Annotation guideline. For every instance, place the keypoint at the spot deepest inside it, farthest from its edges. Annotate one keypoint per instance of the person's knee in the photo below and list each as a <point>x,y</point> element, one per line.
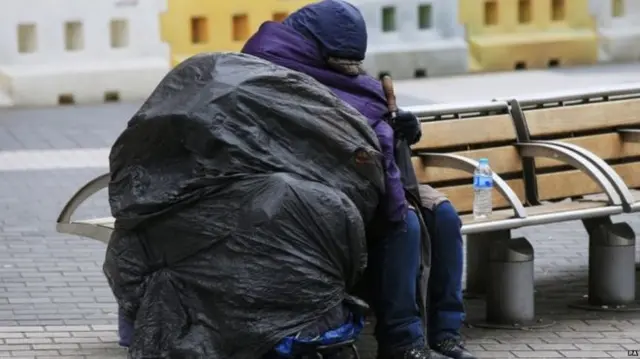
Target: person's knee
<point>446,215</point>
<point>407,233</point>
<point>413,224</point>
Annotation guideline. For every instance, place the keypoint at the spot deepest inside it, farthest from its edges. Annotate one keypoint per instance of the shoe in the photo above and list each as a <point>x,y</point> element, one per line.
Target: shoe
<point>419,353</point>
<point>453,348</point>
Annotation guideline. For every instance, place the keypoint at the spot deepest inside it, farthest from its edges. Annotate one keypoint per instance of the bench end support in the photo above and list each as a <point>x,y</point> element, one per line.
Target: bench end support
<point>478,248</point>
<point>612,274</point>
<point>510,291</point>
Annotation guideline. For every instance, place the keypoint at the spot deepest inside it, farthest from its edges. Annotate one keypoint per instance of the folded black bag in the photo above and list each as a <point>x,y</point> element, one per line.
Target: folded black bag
<point>241,191</point>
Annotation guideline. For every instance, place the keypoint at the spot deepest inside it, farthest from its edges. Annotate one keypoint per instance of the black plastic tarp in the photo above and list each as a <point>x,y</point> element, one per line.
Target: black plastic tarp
<point>241,191</point>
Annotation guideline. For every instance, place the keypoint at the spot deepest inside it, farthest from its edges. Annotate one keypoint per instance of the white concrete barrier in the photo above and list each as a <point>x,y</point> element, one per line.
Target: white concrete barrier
<point>618,24</point>
<point>78,51</point>
<point>414,38</point>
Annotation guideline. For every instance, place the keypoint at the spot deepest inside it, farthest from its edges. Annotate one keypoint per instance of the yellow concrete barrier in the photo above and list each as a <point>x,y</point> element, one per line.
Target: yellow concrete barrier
<point>195,26</point>
<point>505,35</point>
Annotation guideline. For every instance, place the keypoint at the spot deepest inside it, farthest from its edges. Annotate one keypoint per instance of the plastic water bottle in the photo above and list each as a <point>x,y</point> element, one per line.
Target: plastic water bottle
<point>482,190</point>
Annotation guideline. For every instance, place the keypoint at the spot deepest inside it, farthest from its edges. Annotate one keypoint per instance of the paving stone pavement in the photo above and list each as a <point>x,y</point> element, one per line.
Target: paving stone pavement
<point>55,302</point>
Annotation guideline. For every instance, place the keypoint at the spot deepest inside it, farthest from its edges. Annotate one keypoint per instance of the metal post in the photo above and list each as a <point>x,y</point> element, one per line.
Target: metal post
<point>612,262</point>
<point>510,291</point>
<point>478,246</point>
<point>612,268</point>
<point>510,296</point>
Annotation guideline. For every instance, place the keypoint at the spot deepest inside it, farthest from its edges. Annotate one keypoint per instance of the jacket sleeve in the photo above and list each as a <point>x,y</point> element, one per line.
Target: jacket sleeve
<point>395,202</point>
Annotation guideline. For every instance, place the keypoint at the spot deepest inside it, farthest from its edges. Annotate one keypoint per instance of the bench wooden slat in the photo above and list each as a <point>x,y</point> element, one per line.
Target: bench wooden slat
<point>630,173</point>
<point>575,118</point>
<point>607,146</point>
<point>467,131</point>
<point>504,159</point>
<point>575,183</point>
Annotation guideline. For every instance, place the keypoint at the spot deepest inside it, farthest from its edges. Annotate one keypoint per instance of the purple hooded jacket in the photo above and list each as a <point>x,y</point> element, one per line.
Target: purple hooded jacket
<point>285,45</point>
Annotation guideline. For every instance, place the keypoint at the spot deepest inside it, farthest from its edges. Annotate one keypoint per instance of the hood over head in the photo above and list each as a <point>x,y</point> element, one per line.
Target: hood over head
<point>335,25</point>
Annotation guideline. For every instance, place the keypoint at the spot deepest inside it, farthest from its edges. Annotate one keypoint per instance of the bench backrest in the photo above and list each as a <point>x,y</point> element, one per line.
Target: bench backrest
<point>589,121</point>
<point>474,131</point>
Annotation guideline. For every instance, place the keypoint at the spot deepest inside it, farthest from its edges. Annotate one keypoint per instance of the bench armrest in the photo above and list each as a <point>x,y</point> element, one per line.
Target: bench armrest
<point>630,135</point>
<point>81,195</point>
<point>448,160</point>
<point>538,149</point>
<point>614,178</point>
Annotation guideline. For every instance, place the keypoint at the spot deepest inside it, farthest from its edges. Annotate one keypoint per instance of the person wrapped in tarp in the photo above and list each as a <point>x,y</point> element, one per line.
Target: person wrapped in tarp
<point>328,41</point>
<point>240,191</point>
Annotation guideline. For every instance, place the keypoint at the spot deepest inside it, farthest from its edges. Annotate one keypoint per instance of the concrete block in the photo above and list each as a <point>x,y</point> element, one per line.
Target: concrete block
<point>618,23</point>
<point>414,38</point>
<point>403,62</point>
<point>504,35</point>
<point>194,26</point>
<point>76,51</point>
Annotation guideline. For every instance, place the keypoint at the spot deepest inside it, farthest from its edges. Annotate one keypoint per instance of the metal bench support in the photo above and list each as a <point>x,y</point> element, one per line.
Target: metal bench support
<point>478,248</point>
<point>549,150</point>
<point>510,286</point>
<point>510,295</point>
<point>66,225</point>
<point>612,274</point>
<point>630,135</point>
<point>450,160</point>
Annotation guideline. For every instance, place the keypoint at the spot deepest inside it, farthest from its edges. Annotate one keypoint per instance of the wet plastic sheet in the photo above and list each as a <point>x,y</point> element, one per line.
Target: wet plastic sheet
<point>241,191</point>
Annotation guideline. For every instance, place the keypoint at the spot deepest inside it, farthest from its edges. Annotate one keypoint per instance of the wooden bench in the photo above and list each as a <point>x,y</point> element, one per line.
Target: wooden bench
<point>455,136</point>
<point>602,126</point>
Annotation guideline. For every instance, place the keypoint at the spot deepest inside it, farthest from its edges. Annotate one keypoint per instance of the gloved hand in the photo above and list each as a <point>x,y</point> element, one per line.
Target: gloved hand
<point>407,126</point>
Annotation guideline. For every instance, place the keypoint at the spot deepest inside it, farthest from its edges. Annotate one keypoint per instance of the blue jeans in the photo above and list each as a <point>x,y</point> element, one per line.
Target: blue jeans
<point>394,264</point>
<point>446,309</point>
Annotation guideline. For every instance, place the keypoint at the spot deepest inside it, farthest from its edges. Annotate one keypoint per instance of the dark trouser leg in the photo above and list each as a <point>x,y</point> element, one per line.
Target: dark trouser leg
<point>394,263</point>
<point>446,308</point>
<point>125,330</point>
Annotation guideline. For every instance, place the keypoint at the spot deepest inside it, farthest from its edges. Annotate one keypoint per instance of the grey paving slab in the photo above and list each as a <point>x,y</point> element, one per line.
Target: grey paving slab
<point>63,127</point>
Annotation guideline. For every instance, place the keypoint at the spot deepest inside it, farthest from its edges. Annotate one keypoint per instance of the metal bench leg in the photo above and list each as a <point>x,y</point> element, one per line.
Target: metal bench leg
<point>478,246</point>
<point>612,272</point>
<point>510,292</point>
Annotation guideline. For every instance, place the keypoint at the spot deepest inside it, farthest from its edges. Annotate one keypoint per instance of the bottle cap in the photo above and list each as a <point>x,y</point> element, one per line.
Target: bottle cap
<point>484,161</point>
